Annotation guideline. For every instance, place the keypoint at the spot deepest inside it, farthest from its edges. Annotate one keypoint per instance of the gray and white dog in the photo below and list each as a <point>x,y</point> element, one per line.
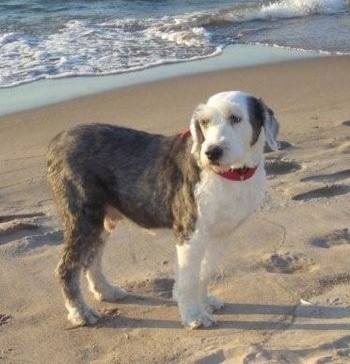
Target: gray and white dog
<point>201,184</point>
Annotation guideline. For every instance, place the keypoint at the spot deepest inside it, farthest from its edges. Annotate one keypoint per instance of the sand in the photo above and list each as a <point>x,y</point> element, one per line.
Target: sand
<point>285,279</point>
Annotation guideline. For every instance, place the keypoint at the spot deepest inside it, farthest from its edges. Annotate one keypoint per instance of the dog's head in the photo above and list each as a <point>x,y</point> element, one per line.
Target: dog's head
<point>231,129</point>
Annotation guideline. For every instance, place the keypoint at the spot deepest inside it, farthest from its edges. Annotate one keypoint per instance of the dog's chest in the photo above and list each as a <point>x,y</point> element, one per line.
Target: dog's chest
<point>222,204</point>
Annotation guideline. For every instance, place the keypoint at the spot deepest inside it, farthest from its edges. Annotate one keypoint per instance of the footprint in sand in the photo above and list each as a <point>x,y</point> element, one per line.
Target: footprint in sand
<point>9,228</point>
<point>328,191</point>
<point>262,356</point>
<point>8,218</point>
<point>329,352</point>
<point>14,227</point>
<point>287,263</point>
<point>326,284</point>
<point>24,232</point>
<point>344,148</point>
<point>53,237</point>
<point>334,238</point>
<point>158,287</point>
<point>332,177</point>
<point>20,245</point>
<point>279,166</point>
<point>4,319</point>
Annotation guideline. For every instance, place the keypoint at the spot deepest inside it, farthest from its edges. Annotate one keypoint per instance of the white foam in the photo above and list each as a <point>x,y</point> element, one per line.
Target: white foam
<point>85,48</point>
<point>301,50</point>
<point>282,9</point>
<point>299,8</point>
<point>181,34</point>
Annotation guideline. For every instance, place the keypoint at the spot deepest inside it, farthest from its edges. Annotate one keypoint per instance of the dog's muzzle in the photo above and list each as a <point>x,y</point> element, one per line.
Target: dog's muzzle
<point>214,153</point>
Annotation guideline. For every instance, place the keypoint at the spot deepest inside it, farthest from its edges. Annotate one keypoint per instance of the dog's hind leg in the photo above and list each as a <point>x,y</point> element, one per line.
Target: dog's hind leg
<point>80,243</point>
<point>98,284</point>
<point>83,221</point>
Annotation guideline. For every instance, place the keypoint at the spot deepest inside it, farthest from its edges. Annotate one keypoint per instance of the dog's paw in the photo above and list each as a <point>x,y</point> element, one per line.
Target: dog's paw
<point>112,294</point>
<point>108,293</point>
<point>203,319</point>
<point>214,304</point>
<point>84,317</point>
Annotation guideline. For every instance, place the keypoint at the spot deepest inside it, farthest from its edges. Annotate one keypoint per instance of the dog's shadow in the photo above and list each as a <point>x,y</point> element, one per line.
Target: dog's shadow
<point>284,317</point>
<point>278,317</point>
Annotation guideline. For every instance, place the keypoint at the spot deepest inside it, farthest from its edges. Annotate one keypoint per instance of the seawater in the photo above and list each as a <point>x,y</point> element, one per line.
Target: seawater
<point>46,39</point>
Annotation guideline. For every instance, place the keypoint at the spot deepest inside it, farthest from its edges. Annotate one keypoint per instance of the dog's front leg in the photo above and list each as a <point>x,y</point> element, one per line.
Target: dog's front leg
<point>214,253</point>
<point>188,290</point>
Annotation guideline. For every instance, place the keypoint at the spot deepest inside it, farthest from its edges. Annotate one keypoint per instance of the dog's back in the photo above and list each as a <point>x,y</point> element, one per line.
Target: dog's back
<point>100,164</point>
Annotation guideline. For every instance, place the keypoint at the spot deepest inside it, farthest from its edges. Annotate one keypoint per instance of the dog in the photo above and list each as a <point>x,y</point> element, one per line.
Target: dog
<point>202,184</point>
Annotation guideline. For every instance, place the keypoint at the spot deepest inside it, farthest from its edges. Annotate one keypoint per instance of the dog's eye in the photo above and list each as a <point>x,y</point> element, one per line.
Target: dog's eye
<point>204,122</point>
<point>234,119</point>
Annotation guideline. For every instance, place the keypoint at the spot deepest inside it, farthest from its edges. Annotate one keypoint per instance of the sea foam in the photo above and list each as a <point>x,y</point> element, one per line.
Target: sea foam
<point>299,8</point>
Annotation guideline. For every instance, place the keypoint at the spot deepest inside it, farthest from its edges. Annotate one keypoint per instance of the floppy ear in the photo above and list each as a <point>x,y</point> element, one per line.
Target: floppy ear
<point>260,116</point>
<point>196,133</point>
<point>271,128</point>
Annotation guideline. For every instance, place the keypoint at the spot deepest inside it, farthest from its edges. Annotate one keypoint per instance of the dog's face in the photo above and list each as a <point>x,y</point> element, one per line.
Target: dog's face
<point>230,131</point>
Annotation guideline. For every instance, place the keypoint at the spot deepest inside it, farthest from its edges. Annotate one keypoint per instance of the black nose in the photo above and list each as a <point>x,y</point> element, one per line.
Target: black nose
<point>214,153</point>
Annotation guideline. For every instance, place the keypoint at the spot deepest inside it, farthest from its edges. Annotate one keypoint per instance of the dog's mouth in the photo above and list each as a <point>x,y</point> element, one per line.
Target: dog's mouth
<point>215,163</point>
<point>220,167</point>
<point>237,172</point>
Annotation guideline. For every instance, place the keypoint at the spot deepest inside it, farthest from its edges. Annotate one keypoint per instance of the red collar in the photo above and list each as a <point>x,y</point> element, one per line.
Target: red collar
<point>186,133</point>
<point>239,174</point>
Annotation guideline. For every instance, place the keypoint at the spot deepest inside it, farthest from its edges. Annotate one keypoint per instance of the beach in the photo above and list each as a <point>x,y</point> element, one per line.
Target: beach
<point>285,278</point>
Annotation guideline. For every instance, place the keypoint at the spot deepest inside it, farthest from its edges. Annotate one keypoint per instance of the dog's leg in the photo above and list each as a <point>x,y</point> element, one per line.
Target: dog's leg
<point>212,257</point>
<point>83,225</point>
<point>68,271</point>
<point>98,284</point>
<point>175,294</point>
<point>192,310</point>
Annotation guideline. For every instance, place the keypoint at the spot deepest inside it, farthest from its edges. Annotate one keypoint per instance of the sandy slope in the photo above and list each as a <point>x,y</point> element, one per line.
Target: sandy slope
<point>285,281</point>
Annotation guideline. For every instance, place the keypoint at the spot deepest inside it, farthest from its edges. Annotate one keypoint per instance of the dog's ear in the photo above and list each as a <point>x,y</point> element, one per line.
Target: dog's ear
<point>262,117</point>
<point>196,132</point>
<point>271,126</point>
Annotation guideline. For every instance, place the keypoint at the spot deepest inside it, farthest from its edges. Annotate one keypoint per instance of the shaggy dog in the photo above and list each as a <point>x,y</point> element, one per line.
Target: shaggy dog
<point>202,184</point>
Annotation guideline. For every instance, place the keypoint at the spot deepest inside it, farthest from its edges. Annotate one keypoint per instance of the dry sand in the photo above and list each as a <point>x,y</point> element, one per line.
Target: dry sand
<point>285,280</point>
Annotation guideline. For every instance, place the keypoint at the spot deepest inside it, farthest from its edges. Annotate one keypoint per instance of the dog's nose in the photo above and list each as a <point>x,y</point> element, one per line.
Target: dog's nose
<point>214,153</point>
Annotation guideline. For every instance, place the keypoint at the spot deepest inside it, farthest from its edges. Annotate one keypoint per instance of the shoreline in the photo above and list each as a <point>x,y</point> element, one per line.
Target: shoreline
<point>52,91</point>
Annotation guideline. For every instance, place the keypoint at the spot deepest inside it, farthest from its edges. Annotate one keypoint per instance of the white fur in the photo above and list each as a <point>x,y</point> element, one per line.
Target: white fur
<point>222,204</point>
<point>238,99</point>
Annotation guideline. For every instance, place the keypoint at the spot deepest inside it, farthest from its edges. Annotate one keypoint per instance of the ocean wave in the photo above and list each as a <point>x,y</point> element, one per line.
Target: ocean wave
<point>83,47</point>
<point>180,35</point>
<point>300,8</point>
<point>100,46</point>
<point>317,52</point>
<point>282,9</point>
<point>46,75</point>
